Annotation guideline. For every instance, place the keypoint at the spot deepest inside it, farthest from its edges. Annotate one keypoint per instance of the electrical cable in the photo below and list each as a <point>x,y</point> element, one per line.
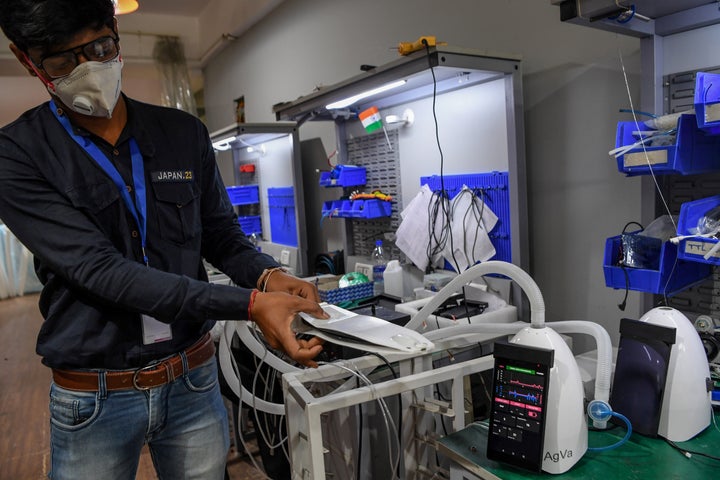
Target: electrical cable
<point>227,342</point>
<point>389,424</point>
<point>395,376</point>
<point>690,453</point>
<point>637,125</point>
<point>360,435</point>
<point>634,112</point>
<point>440,150</point>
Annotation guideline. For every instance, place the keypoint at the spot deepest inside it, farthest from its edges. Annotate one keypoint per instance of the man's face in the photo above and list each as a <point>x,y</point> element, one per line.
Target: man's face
<point>88,45</point>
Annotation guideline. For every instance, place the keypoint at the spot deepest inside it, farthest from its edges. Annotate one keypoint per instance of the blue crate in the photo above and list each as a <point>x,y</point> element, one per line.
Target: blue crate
<point>251,224</point>
<point>670,278</point>
<point>707,102</point>
<point>243,194</point>
<point>367,209</point>
<point>693,152</point>
<point>283,225</point>
<point>329,292</point>
<point>344,176</point>
<point>496,195</point>
<point>694,249</point>
<point>370,208</point>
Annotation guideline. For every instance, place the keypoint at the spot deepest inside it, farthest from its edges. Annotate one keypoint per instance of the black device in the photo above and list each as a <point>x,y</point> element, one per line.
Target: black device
<point>457,307</point>
<point>519,402</point>
<point>640,373</point>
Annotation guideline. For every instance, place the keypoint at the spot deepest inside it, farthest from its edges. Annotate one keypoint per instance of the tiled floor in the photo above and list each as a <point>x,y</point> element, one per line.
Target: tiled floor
<point>24,381</point>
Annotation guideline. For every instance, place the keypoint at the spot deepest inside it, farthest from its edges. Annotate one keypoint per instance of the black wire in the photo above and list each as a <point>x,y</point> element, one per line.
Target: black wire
<point>360,433</point>
<point>395,376</point>
<point>691,452</point>
<point>477,213</point>
<point>435,206</point>
<point>442,156</point>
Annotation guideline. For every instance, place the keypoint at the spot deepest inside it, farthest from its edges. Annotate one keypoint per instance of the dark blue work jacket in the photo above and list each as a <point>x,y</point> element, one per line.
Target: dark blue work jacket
<point>61,205</point>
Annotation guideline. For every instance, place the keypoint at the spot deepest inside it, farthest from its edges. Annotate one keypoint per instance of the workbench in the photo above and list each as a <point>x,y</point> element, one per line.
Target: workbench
<point>640,458</point>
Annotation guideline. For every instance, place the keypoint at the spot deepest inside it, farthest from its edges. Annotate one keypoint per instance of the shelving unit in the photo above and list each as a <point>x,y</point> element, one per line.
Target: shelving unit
<point>393,159</point>
<point>654,23</point>
<point>260,164</point>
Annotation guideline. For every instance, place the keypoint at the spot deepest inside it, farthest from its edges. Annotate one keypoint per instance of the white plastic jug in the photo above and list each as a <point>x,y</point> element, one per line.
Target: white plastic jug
<point>393,279</point>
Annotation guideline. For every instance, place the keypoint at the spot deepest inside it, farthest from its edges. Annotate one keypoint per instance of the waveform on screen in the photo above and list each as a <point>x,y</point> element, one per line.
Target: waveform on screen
<point>526,385</point>
<point>530,397</point>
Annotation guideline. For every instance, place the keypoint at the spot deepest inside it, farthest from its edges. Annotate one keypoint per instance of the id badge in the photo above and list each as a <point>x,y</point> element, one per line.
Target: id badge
<point>155,331</point>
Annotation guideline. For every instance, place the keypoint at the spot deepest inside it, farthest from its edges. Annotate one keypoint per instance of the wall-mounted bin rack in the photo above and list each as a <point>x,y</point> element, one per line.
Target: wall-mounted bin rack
<point>493,189</point>
<point>283,227</point>
<point>668,279</point>
<point>692,152</point>
<point>695,248</point>
<point>707,102</point>
<point>251,224</point>
<point>243,194</point>
<point>343,176</point>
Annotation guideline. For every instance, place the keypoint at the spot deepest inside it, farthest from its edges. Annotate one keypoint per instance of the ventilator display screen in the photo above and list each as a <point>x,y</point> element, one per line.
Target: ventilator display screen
<point>519,400</point>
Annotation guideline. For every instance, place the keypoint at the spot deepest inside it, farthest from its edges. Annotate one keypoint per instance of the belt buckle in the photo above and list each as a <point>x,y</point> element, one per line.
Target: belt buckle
<point>137,372</point>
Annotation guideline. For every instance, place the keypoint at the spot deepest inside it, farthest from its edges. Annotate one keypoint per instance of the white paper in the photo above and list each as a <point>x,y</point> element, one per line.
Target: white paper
<point>472,220</point>
<point>413,234</point>
<point>155,331</point>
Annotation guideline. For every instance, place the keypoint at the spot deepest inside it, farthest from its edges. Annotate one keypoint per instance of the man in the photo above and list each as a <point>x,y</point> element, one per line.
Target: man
<point>120,201</point>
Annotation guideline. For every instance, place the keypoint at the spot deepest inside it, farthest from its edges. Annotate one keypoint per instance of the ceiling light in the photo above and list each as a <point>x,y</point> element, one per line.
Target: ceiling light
<point>223,144</point>
<point>125,6</point>
<point>346,102</point>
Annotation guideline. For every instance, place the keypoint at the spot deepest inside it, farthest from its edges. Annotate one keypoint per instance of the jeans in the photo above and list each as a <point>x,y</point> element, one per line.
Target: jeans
<point>99,435</point>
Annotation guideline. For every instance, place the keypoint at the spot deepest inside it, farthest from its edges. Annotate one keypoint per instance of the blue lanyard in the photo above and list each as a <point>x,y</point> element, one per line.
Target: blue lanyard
<point>138,209</point>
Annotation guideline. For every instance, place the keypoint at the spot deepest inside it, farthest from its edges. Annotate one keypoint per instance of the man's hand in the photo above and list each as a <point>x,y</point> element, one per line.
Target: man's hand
<point>274,313</point>
<point>282,282</point>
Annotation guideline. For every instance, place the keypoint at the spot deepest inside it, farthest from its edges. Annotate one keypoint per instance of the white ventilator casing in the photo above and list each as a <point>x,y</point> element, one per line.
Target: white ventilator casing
<point>686,408</point>
<point>566,433</point>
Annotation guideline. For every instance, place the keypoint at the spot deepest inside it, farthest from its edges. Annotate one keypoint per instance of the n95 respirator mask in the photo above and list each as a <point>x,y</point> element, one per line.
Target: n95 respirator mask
<point>92,88</point>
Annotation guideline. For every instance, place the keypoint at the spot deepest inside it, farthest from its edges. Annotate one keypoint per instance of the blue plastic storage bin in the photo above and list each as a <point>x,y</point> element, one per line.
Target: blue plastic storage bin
<point>694,249</point>
<point>707,102</point>
<point>331,293</point>
<point>371,208</point>
<point>243,194</point>
<point>283,225</point>
<point>343,176</point>
<point>367,209</point>
<point>693,152</point>
<point>669,279</point>
<point>251,224</point>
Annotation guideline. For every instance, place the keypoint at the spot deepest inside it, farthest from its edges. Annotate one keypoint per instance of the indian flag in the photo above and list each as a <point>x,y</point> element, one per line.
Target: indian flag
<point>371,119</point>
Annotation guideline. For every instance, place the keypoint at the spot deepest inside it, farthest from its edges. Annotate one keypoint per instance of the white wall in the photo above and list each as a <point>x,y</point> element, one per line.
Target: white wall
<point>691,50</point>
<point>141,79</point>
<point>573,90</point>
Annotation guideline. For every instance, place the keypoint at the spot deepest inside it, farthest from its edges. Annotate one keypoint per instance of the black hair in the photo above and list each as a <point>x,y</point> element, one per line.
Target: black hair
<point>45,24</point>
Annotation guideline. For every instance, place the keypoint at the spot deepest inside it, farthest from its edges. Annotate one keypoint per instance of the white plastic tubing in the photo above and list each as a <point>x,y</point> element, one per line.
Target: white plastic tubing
<point>537,304</point>
<point>537,319</point>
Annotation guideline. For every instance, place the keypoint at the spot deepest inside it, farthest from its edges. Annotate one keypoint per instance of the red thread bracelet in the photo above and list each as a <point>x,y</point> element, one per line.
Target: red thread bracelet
<point>253,294</point>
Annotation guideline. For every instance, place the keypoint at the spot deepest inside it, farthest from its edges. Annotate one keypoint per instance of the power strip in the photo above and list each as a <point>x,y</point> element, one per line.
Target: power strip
<point>364,268</point>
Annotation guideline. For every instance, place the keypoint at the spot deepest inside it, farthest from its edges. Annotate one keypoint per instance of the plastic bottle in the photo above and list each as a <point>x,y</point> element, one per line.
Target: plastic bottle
<point>393,279</point>
<point>379,264</point>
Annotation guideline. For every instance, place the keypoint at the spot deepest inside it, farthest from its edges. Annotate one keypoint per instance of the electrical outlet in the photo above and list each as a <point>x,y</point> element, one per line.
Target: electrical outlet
<point>285,257</point>
<point>364,268</point>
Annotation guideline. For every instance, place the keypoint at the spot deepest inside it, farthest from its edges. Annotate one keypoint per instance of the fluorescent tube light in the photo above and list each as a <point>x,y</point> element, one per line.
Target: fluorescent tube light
<point>369,93</point>
<point>223,144</point>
